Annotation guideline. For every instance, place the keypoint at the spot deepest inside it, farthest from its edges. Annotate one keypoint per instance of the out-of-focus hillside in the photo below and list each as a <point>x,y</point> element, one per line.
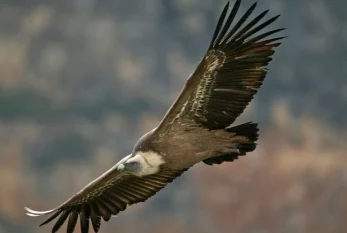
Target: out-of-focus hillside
<point>81,81</point>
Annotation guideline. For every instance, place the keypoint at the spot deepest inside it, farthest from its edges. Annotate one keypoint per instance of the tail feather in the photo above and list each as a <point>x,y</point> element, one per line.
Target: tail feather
<point>249,129</point>
<point>245,137</point>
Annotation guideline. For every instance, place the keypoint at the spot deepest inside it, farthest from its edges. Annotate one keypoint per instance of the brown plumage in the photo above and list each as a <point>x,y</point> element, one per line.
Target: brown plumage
<point>105,198</point>
<point>228,76</point>
<point>196,128</point>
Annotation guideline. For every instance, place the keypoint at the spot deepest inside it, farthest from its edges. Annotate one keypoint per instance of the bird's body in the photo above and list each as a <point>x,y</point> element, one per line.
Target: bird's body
<point>197,127</point>
<point>191,145</point>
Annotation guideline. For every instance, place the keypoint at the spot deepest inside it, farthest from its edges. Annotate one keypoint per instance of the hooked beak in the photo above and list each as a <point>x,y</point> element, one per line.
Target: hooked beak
<point>120,167</point>
<point>132,166</point>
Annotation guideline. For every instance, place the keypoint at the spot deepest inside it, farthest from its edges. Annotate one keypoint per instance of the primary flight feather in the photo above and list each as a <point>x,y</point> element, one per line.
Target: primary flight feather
<point>195,129</point>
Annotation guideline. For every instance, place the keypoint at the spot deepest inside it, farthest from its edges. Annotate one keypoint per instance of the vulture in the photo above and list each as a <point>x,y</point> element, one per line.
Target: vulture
<point>197,127</point>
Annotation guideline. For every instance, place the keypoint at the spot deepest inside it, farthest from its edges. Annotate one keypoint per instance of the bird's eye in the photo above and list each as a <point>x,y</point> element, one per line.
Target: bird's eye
<point>132,164</point>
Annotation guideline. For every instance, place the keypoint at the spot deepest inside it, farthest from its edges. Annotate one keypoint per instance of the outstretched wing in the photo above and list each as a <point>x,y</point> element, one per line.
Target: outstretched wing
<point>229,75</point>
<point>104,197</point>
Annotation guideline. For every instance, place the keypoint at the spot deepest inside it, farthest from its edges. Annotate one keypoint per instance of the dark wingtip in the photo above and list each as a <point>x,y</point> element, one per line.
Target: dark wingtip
<point>84,218</point>
<point>237,4</point>
<point>276,16</point>
<point>254,5</point>
<point>219,24</point>
<point>56,214</point>
<point>72,222</point>
<point>61,220</point>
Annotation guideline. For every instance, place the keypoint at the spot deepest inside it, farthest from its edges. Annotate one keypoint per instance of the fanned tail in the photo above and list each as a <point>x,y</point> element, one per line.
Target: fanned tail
<point>243,140</point>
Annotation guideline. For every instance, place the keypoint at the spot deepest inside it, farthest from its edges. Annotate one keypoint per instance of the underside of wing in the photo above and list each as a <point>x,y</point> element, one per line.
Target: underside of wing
<point>229,75</point>
<point>104,198</point>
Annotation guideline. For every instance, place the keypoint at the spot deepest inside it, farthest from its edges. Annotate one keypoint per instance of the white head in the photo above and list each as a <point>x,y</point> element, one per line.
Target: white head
<point>142,163</point>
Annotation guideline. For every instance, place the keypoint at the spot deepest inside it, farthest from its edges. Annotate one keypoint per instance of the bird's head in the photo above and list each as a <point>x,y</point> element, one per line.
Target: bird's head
<point>131,166</point>
<point>142,163</point>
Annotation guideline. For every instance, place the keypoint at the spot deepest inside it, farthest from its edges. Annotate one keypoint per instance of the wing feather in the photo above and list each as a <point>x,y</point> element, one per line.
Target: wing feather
<point>62,218</point>
<point>56,214</point>
<point>220,23</point>
<point>95,217</point>
<point>232,70</point>
<point>239,24</point>
<point>104,197</point>
<point>227,23</point>
<point>72,221</point>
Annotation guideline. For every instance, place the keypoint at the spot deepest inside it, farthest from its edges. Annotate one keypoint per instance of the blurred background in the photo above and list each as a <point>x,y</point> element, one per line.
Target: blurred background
<point>82,80</point>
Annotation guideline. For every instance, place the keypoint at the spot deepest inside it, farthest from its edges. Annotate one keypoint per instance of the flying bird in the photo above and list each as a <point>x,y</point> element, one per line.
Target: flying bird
<point>196,128</point>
